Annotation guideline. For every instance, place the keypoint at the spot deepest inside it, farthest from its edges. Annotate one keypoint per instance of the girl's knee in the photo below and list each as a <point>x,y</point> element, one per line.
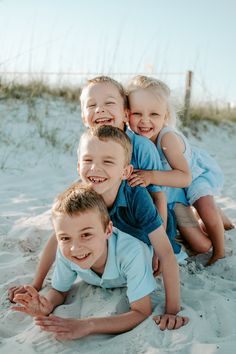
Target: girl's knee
<point>205,246</point>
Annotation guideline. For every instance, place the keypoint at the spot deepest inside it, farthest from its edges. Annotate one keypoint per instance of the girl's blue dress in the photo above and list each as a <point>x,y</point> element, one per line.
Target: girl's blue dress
<point>207,176</point>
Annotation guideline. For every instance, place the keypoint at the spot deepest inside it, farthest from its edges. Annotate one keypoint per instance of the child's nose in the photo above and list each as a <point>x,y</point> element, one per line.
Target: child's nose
<point>144,118</point>
<point>94,167</point>
<point>75,247</point>
<point>99,109</point>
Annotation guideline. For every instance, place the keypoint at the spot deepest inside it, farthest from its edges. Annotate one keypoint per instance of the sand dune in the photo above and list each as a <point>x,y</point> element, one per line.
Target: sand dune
<point>32,173</point>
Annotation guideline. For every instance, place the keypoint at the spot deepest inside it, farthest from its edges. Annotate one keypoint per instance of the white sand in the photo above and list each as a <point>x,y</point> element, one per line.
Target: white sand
<point>31,174</point>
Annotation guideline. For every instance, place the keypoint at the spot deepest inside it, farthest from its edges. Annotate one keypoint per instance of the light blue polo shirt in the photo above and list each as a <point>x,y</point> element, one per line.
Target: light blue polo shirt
<point>145,156</point>
<point>129,264</point>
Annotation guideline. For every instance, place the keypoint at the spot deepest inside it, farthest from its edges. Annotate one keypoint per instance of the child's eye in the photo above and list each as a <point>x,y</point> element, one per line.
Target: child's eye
<point>154,114</point>
<point>86,235</point>
<point>64,238</point>
<point>91,105</point>
<point>136,114</point>
<point>87,160</point>
<point>110,102</point>
<point>108,162</point>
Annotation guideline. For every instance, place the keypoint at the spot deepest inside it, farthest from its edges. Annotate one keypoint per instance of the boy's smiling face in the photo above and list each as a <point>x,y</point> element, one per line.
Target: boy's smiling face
<point>82,238</point>
<point>102,104</point>
<point>102,165</point>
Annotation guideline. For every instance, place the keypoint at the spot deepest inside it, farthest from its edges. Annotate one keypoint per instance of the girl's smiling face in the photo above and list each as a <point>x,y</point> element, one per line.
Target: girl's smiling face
<point>148,113</point>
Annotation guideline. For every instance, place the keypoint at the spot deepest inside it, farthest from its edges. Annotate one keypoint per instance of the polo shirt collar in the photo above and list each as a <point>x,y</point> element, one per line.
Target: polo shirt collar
<point>111,271</point>
<point>120,200</point>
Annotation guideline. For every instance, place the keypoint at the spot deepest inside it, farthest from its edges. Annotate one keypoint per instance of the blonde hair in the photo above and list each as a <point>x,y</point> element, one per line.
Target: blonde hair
<point>106,133</point>
<point>105,79</point>
<point>78,199</point>
<point>160,89</point>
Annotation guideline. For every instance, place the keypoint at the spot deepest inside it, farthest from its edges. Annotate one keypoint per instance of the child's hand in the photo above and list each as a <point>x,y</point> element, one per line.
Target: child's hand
<point>170,321</point>
<point>64,328</point>
<point>14,290</point>
<point>156,266</point>
<point>32,303</point>
<point>140,178</point>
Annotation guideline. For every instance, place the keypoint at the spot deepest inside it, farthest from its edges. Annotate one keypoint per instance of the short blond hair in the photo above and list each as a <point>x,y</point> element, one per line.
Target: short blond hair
<point>78,199</point>
<point>105,79</point>
<point>110,133</point>
<point>160,89</point>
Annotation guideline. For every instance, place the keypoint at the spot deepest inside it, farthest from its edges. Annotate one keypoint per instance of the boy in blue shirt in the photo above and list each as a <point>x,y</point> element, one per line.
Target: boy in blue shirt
<point>88,248</point>
<point>100,255</point>
<point>104,163</point>
<point>104,102</point>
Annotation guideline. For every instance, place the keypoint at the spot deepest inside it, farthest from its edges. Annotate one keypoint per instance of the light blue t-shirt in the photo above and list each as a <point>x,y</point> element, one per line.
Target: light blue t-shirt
<point>129,264</point>
<point>145,156</point>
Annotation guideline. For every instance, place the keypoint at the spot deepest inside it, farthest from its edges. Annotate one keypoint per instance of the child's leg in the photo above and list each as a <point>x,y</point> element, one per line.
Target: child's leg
<point>209,213</point>
<point>228,225</point>
<point>191,228</point>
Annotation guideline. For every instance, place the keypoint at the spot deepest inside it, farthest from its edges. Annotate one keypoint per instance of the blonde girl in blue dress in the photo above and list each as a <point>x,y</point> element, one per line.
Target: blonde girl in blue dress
<point>152,115</point>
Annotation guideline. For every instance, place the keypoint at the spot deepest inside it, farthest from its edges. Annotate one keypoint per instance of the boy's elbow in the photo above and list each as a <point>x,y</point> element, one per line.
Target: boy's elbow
<point>145,313</point>
<point>189,182</point>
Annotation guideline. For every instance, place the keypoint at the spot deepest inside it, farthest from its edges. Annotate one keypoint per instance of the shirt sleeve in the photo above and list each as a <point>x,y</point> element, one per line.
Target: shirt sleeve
<point>144,210</point>
<point>63,276</point>
<point>147,158</point>
<point>137,268</point>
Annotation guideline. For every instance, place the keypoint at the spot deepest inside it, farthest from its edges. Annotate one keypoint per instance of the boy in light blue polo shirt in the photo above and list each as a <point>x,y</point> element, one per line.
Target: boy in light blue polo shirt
<point>88,247</point>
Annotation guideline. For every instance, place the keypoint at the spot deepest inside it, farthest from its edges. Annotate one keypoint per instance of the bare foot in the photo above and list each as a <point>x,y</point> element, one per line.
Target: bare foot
<point>214,258</point>
<point>228,225</point>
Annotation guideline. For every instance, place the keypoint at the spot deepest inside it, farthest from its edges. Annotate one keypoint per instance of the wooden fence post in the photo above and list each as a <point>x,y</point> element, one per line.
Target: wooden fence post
<point>188,89</point>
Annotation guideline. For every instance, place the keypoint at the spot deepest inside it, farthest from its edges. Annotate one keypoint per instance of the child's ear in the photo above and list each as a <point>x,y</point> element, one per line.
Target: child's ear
<point>167,117</point>
<point>109,229</point>
<point>127,171</point>
<point>78,168</point>
<point>84,120</point>
<point>126,115</point>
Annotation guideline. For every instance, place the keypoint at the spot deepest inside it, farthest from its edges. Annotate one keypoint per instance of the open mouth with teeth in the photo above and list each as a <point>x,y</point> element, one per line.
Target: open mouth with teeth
<point>97,180</point>
<point>82,257</point>
<point>104,121</point>
<point>144,130</point>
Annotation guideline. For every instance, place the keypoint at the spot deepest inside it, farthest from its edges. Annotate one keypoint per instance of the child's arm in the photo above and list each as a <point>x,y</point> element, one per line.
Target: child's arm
<point>71,328</point>
<point>179,176</point>
<point>170,271</point>
<point>45,263</point>
<point>159,200</point>
<point>40,307</point>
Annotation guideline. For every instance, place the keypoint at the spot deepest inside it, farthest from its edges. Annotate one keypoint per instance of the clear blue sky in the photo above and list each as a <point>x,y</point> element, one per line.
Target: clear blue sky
<point>164,36</point>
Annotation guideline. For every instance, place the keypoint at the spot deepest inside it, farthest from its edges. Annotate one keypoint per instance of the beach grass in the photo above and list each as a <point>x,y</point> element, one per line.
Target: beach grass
<point>38,88</point>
